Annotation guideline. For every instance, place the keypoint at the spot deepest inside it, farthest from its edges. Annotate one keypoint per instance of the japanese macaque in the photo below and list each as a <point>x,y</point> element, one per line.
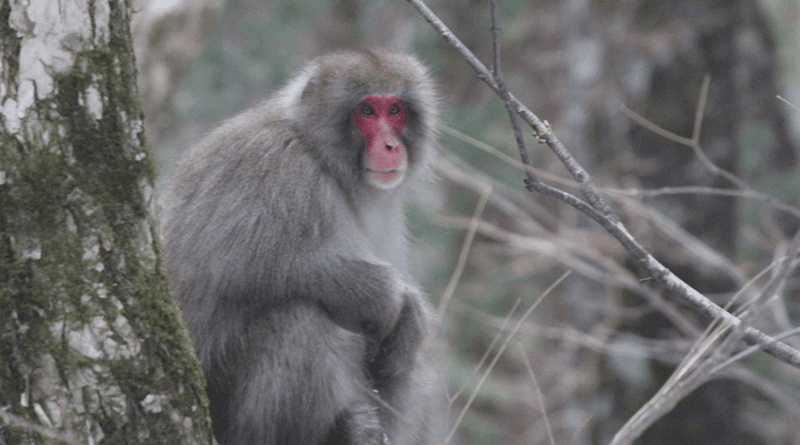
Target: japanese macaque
<point>286,246</point>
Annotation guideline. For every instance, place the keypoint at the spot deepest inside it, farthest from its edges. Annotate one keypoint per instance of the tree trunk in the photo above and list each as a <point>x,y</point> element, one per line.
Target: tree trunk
<point>92,345</point>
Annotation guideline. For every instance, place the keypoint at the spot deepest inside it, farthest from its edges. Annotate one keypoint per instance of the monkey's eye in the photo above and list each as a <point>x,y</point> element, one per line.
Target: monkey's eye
<point>394,109</point>
<point>366,109</point>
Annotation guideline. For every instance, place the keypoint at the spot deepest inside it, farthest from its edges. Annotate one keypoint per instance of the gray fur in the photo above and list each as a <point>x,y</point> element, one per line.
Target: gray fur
<point>291,272</point>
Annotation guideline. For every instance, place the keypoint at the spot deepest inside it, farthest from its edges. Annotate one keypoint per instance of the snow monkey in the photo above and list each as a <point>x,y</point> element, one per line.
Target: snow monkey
<point>286,246</point>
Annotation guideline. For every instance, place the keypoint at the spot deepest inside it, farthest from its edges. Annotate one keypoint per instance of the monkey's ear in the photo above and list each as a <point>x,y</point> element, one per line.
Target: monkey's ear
<point>312,88</point>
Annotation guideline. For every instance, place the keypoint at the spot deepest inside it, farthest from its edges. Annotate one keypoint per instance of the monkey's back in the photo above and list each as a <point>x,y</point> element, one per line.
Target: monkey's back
<point>247,194</point>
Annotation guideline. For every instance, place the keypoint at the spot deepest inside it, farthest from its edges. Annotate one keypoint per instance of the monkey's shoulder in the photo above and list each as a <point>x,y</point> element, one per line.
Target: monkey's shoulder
<point>255,147</point>
<point>253,167</point>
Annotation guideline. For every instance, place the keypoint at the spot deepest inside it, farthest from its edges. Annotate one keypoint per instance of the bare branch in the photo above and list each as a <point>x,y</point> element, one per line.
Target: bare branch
<point>600,211</point>
<point>694,142</point>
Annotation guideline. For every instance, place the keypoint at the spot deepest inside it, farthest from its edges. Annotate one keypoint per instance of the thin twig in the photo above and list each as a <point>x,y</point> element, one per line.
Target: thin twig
<point>788,103</point>
<point>538,389</point>
<point>694,142</point>
<point>489,349</point>
<point>532,182</point>
<point>683,190</point>
<point>465,248</point>
<point>500,351</point>
<point>706,357</point>
<point>700,110</point>
<point>750,350</point>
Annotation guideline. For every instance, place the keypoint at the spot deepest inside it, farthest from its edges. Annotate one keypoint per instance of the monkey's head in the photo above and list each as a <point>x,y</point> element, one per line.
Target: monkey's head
<point>371,115</point>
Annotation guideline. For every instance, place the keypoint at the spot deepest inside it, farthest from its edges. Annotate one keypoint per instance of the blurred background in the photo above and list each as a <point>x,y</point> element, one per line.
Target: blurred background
<point>604,341</point>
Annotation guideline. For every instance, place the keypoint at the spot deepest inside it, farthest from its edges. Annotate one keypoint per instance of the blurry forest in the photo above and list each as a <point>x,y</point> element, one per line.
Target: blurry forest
<point>620,83</point>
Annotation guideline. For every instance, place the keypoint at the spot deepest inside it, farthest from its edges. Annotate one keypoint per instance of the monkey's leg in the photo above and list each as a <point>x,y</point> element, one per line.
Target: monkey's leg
<point>398,351</point>
<point>358,424</point>
<point>417,414</point>
<point>406,381</point>
<point>294,382</point>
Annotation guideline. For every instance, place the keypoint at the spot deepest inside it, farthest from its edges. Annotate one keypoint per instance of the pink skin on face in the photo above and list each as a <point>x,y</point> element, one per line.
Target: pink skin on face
<point>381,118</point>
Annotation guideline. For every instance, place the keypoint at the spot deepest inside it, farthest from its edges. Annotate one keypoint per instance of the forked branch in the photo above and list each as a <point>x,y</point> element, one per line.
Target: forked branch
<point>595,206</point>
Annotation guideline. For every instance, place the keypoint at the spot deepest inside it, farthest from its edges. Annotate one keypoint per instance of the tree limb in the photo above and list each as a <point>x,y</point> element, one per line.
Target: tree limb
<point>596,206</point>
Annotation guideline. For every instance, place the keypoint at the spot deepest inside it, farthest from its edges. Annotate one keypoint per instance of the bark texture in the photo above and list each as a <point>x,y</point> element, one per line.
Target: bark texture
<point>92,346</point>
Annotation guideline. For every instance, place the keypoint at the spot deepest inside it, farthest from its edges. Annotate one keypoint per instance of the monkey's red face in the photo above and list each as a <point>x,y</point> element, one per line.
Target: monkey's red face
<point>381,118</point>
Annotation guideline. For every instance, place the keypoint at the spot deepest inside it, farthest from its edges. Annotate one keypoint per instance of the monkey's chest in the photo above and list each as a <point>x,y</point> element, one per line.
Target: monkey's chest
<point>384,234</point>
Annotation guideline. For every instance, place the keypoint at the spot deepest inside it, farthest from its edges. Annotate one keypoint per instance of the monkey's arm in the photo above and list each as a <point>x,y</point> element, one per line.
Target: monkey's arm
<point>260,215</point>
<point>360,296</point>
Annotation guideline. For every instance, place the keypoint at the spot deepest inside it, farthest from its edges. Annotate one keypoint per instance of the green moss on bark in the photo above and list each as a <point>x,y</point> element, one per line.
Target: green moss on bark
<point>90,333</point>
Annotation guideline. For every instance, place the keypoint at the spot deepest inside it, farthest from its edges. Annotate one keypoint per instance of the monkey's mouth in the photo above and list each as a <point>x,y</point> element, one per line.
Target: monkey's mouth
<point>385,175</point>
<point>385,179</point>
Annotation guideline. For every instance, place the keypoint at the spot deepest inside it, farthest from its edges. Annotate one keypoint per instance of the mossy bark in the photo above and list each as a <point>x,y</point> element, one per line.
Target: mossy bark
<point>92,345</point>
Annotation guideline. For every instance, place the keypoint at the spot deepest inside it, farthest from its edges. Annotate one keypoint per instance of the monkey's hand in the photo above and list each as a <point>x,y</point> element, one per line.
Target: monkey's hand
<point>398,351</point>
<point>364,297</point>
<point>394,311</point>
